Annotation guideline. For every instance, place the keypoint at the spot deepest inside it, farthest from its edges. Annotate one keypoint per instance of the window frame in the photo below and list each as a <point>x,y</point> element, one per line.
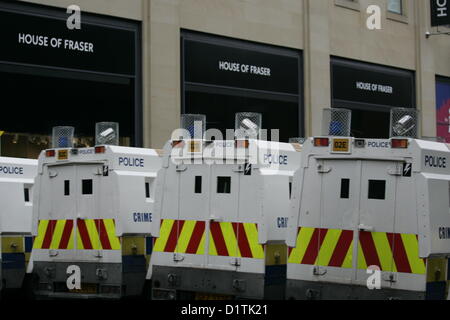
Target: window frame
<point>348,4</point>
<point>399,17</point>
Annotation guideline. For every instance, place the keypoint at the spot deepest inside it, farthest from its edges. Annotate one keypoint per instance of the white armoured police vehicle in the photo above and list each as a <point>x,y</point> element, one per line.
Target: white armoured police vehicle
<point>224,208</point>
<point>370,218</point>
<point>16,189</point>
<point>93,217</point>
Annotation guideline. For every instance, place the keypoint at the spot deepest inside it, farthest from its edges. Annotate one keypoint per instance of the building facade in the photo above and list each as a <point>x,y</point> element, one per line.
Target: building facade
<point>152,60</point>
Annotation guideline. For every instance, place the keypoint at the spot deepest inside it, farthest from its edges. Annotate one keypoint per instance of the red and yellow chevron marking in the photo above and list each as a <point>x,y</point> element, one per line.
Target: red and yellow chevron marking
<point>323,247</point>
<point>55,234</point>
<point>181,236</point>
<point>92,234</point>
<point>97,234</point>
<point>226,238</point>
<point>392,252</point>
<point>235,240</point>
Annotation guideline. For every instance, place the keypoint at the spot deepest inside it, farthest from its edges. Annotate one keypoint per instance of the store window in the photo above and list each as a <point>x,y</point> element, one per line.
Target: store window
<point>443,108</point>
<point>395,6</point>
<point>221,77</point>
<point>370,91</point>
<point>349,4</point>
<point>53,76</point>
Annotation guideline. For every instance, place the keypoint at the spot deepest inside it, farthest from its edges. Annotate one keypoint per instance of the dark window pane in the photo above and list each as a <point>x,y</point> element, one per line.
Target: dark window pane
<point>290,189</point>
<point>147,190</point>
<point>345,188</point>
<point>198,184</point>
<point>377,189</point>
<point>26,194</point>
<point>66,187</point>
<point>223,184</point>
<point>87,187</point>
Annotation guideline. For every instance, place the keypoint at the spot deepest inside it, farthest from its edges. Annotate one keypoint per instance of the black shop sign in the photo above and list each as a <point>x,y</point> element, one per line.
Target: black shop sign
<point>440,12</point>
<point>46,41</point>
<point>237,67</point>
<point>368,84</point>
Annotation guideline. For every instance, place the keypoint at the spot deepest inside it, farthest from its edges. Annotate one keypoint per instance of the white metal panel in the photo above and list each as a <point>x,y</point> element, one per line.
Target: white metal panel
<point>439,213</point>
<point>377,215</point>
<point>275,208</point>
<point>54,205</point>
<point>224,207</point>
<point>15,214</point>
<point>305,212</point>
<point>339,214</point>
<point>194,207</point>
<point>135,212</point>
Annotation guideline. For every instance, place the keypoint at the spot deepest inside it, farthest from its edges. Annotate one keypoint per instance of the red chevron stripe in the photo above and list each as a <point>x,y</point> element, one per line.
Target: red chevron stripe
<point>196,237</point>
<point>400,256</point>
<point>241,235</point>
<point>341,250</point>
<point>314,246</point>
<point>49,234</point>
<point>103,234</point>
<point>81,224</point>
<point>173,237</point>
<point>67,232</point>
<point>368,248</point>
<point>290,251</point>
<point>219,240</point>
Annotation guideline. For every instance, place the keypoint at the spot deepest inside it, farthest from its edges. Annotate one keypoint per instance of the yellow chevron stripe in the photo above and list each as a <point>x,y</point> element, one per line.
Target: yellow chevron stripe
<point>185,236</point>
<point>70,245</point>
<point>230,239</point>
<point>57,234</point>
<point>42,227</point>
<point>411,245</point>
<point>212,251</point>
<point>160,242</point>
<point>348,260</point>
<point>93,234</point>
<point>361,259</point>
<point>303,240</point>
<point>384,251</point>
<point>252,236</point>
<point>328,247</point>
<point>79,242</point>
<point>111,231</point>
<point>201,246</point>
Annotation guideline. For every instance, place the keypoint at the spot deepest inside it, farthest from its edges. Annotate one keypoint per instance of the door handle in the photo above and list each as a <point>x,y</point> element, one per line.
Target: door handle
<point>216,219</point>
<point>365,228</point>
<point>52,174</point>
<point>178,257</point>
